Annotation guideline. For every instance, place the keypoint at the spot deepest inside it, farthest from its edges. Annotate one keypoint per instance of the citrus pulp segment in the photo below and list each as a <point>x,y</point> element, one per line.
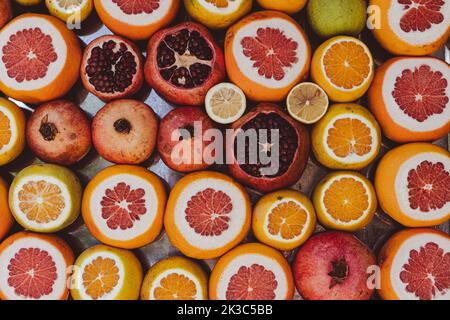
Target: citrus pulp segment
<point>48,63</point>
<point>106,273</point>
<point>410,98</point>
<point>347,137</point>
<point>34,267</point>
<point>136,20</point>
<point>413,184</point>
<point>6,218</point>
<point>45,198</point>
<point>12,131</point>
<point>343,66</point>
<point>123,206</point>
<point>70,11</point>
<point>307,103</point>
<point>412,27</point>
<point>415,265</point>
<point>283,219</point>
<point>251,271</point>
<point>175,278</point>
<point>345,201</point>
<point>266,54</point>
<point>207,214</point>
<point>225,103</point>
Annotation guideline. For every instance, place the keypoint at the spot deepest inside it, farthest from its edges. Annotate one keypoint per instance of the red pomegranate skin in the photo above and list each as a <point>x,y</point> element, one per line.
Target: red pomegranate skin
<point>5,12</point>
<point>124,131</point>
<point>59,132</point>
<point>296,169</point>
<point>183,117</point>
<point>183,96</point>
<point>314,263</point>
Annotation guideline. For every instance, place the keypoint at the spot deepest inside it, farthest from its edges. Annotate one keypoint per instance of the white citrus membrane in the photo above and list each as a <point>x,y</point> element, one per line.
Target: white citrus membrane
<point>232,6</point>
<point>124,11</point>
<point>50,47</point>
<point>12,127</point>
<point>293,41</point>
<point>353,157</point>
<point>225,103</point>
<point>15,266</point>
<point>418,38</point>
<point>401,281</point>
<point>120,216</point>
<point>82,283</point>
<point>178,271</point>
<point>275,288</point>
<point>228,231</point>
<point>394,75</point>
<point>405,177</point>
<point>24,205</point>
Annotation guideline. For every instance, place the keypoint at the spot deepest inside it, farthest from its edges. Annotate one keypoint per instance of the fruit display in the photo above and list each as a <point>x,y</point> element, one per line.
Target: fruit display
<point>224,150</point>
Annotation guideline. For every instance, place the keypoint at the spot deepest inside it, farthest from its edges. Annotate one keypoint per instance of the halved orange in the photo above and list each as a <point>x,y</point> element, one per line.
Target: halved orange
<point>415,265</point>
<point>175,278</point>
<point>252,271</point>
<point>6,218</point>
<point>12,131</point>
<point>34,267</point>
<point>343,66</point>
<point>267,53</point>
<point>207,214</point>
<point>106,273</point>
<point>413,184</point>
<point>287,6</point>
<point>123,206</point>
<point>48,62</point>
<point>345,201</point>
<point>283,219</point>
<point>347,137</point>
<point>136,20</point>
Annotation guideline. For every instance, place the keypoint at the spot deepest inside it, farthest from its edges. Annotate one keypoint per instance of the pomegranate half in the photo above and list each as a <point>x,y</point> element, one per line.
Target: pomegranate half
<point>288,164</point>
<point>183,63</point>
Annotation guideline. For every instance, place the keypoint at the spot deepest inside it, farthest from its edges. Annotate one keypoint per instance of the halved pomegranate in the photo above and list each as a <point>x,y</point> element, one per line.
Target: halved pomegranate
<point>183,63</point>
<point>265,167</point>
<point>112,68</point>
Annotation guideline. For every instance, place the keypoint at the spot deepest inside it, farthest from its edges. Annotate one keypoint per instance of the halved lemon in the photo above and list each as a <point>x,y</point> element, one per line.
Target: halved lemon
<point>343,66</point>
<point>347,137</point>
<point>45,198</point>
<point>175,278</point>
<point>12,131</point>
<point>307,102</point>
<point>345,201</point>
<point>283,219</point>
<point>225,103</point>
<point>70,10</point>
<point>106,273</point>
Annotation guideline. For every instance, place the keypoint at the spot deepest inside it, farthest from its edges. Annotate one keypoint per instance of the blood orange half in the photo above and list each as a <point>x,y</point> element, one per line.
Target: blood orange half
<point>412,27</point>
<point>207,214</point>
<point>413,184</point>
<point>267,53</point>
<point>34,267</point>
<point>40,58</point>
<point>251,271</point>
<point>410,98</point>
<point>415,265</point>
<point>123,206</point>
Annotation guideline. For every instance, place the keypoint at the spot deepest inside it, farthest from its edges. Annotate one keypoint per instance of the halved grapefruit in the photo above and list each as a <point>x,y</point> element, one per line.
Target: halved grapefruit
<point>123,206</point>
<point>415,265</point>
<point>207,214</point>
<point>12,131</point>
<point>6,218</point>
<point>106,273</point>
<point>175,278</point>
<point>40,58</point>
<point>136,19</point>
<point>413,184</point>
<point>34,267</point>
<point>252,271</point>
<point>45,198</point>
<point>412,27</point>
<point>410,98</point>
<point>267,53</point>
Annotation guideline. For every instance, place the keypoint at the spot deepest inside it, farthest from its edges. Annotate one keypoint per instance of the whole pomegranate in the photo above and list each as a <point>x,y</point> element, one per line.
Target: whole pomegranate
<point>334,266</point>
<point>183,63</point>
<point>281,141</point>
